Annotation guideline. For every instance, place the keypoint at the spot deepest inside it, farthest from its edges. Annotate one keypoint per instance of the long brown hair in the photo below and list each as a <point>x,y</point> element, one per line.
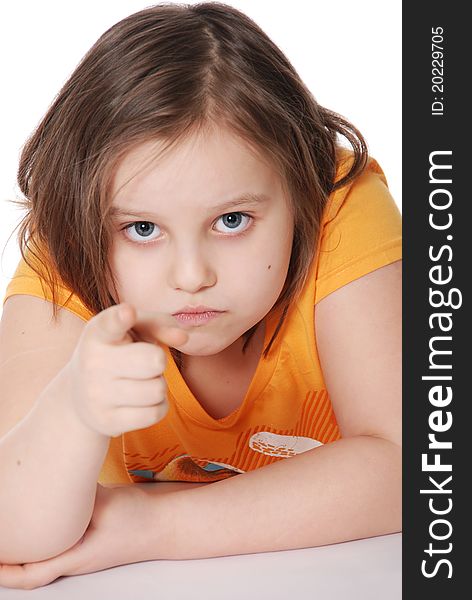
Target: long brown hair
<point>164,73</point>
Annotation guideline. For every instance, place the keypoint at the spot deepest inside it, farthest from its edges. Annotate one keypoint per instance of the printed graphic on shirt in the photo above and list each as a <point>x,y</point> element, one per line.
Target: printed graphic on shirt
<point>186,468</point>
<point>281,446</point>
<point>254,448</point>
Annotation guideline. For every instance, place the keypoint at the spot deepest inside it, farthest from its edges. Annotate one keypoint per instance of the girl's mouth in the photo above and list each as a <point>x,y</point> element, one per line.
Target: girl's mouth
<point>196,318</point>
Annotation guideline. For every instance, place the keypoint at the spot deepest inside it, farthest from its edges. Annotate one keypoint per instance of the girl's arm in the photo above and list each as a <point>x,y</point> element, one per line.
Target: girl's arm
<point>51,458</point>
<point>344,490</point>
<point>49,462</point>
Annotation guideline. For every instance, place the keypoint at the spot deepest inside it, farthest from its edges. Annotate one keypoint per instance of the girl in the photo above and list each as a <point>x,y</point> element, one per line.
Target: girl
<point>209,295</point>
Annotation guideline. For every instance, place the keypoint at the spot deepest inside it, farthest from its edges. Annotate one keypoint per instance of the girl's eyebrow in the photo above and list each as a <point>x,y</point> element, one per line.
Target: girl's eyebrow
<point>246,199</point>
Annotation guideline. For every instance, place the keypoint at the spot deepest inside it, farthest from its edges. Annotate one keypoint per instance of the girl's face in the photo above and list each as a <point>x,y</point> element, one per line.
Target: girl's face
<point>184,235</point>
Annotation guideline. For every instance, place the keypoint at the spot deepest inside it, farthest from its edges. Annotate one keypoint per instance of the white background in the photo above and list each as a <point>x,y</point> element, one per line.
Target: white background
<point>348,53</point>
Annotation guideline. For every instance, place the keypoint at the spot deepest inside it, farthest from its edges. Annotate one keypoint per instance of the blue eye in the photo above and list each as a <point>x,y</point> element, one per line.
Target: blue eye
<point>233,220</point>
<point>143,229</point>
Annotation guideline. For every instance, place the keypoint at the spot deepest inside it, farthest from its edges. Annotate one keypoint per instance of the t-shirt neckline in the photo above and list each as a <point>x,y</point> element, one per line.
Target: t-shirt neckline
<point>186,401</point>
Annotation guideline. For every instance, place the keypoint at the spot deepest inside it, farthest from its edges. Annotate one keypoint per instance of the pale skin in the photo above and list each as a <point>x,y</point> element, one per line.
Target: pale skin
<point>190,253</point>
<point>358,337</point>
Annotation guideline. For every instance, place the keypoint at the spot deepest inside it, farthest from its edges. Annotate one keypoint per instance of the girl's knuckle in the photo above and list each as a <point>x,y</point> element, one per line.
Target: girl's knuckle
<point>159,359</point>
<point>156,413</point>
<point>161,386</point>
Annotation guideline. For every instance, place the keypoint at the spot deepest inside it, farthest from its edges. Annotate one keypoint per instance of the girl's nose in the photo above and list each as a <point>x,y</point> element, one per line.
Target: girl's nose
<point>190,271</point>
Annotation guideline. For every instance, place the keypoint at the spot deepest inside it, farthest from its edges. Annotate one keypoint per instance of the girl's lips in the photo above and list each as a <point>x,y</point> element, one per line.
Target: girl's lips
<point>196,318</point>
<point>195,309</point>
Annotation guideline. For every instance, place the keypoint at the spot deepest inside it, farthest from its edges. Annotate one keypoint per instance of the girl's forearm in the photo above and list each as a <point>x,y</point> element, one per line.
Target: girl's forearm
<point>346,490</point>
<point>49,466</point>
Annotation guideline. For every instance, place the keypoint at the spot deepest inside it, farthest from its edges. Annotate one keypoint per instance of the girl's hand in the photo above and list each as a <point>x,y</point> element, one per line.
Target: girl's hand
<point>117,385</point>
<point>115,536</point>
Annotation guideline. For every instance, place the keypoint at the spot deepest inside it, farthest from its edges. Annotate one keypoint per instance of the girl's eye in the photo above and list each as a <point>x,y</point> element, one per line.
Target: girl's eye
<point>233,221</point>
<point>142,229</point>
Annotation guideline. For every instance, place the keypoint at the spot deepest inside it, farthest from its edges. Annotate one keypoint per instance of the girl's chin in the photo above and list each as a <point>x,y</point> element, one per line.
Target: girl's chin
<point>201,353</point>
<point>189,349</point>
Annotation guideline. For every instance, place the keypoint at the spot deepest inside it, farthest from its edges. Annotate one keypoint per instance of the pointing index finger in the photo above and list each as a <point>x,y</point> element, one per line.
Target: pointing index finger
<point>154,326</point>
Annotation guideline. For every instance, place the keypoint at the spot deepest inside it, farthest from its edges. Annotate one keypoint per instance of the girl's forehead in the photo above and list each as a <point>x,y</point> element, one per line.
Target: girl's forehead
<point>211,159</point>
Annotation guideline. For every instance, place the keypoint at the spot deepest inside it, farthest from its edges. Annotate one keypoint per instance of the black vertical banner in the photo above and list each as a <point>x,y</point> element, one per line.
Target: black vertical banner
<point>437,242</point>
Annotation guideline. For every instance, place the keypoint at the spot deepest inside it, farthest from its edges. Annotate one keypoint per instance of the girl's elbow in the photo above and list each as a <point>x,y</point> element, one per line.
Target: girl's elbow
<point>29,547</point>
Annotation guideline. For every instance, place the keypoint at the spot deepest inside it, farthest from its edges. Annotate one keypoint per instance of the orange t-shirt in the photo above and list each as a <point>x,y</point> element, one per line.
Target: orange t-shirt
<point>287,409</point>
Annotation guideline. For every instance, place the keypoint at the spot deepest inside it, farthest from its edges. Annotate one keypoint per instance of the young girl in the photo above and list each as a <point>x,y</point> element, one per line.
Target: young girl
<point>209,295</point>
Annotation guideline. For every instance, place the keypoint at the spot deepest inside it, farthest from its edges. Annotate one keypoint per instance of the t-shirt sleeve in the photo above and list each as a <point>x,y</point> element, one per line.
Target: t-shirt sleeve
<point>361,232</point>
<point>26,281</point>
